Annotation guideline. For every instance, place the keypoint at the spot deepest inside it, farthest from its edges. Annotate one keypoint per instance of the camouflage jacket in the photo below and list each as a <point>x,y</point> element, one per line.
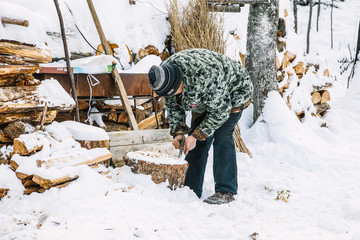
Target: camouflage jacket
<point>212,83</point>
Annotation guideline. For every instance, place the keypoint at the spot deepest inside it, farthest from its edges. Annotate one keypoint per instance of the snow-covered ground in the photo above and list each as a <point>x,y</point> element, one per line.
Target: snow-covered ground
<point>320,166</point>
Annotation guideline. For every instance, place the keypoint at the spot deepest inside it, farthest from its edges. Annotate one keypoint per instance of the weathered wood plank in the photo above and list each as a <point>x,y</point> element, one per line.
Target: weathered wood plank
<point>122,138</point>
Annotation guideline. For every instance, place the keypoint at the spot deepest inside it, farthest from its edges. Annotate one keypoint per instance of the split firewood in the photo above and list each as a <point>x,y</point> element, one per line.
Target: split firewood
<point>20,22</point>
<point>280,76</point>
<point>31,189</point>
<point>281,45</point>
<point>23,176</point>
<point>16,48</point>
<point>151,49</point>
<point>150,122</point>
<point>290,56</point>
<point>139,113</point>
<point>3,138</point>
<point>29,183</point>
<point>96,160</point>
<point>3,160</point>
<point>242,59</point>
<point>13,165</point>
<point>17,69</point>
<point>161,167</point>
<point>34,117</point>
<point>48,183</point>
<point>284,86</point>
<point>14,130</point>
<point>316,97</point>
<point>3,192</point>
<point>23,150</point>
<point>83,105</point>
<point>164,55</point>
<point>300,69</point>
<point>325,96</point>
<point>113,115</point>
<point>239,143</point>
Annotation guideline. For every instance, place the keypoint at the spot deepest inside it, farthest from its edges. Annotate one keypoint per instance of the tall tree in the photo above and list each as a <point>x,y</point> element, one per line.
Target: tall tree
<point>261,51</point>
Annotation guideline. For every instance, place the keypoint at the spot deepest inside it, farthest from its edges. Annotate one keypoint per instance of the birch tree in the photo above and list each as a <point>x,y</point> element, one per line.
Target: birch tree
<point>261,51</point>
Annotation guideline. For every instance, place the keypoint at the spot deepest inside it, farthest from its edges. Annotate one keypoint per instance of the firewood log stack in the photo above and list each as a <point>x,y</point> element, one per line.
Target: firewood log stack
<point>296,76</point>
<point>39,169</point>
<point>20,98</point>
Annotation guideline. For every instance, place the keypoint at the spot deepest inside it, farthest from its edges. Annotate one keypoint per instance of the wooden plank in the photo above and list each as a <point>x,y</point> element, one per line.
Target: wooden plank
<point>41,55</point>
<point>123,138</point>
<point>95,160</point>
<point>151,121</point>
<point>119,152</point>
<point>115,73</point>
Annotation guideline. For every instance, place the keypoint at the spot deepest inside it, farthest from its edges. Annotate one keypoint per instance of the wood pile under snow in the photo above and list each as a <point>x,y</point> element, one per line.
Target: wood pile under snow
<point>298,74</point>
<point>23,98</point>
<point>50,158</point>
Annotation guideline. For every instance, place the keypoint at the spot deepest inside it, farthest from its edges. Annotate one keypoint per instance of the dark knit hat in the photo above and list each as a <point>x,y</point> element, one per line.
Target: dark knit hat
<point>165,79</point>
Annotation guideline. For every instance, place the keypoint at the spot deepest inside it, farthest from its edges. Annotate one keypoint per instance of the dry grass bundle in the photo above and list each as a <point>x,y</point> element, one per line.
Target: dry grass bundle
<point>195,26</point>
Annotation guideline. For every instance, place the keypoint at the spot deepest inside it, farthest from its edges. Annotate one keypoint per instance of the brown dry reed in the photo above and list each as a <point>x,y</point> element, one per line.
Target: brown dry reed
<point>196,26</point>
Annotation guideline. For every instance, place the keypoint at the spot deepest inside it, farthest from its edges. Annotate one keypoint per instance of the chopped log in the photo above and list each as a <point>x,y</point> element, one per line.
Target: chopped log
<point>14,130</point>
<point>141,54</point>
<point>13,165</point>
<point>291,56</point>
<point>316,97</point>
<point>300,69</point>
<point>281,45</point>
<point>150,122</point>
<point>17,69</point>
<point>29,183</point>
<point>139,113</point>
<point>160,167</point>
<point>31,116</point>
<point>325,96</point>
<point>62,185</point>
<point>113,116</point>
<point>3,161</point>
<point>21,148</point>
<point>90,144</point>
<point>41,55</point>
<point>285,86</point>
<point>23,176</point>
<point>322,107</point>
<point>20,22</point>
<point>3,192</point>
<point>3,138</point>
<point>48,183</point>
<point>151,49</point>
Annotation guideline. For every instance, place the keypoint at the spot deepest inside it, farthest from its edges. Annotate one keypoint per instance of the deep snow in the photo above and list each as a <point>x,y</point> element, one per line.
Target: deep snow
<point>320,166</point>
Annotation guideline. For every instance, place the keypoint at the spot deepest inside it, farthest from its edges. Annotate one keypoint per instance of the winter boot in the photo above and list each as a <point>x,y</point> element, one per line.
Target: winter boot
<point>220,198</point>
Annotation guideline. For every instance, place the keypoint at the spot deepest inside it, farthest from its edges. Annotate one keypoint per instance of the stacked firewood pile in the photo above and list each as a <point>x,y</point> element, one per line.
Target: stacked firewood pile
<point>19,92</point>
<point>297,75</point>
<point>45,159</point>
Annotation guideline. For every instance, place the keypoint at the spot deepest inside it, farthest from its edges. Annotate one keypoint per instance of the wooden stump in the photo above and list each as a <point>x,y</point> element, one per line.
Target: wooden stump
<point>3,192</point>
<point>161,167</point>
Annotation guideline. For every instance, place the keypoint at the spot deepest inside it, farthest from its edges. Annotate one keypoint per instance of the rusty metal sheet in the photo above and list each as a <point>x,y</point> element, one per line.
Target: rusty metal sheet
<point>136,84</point>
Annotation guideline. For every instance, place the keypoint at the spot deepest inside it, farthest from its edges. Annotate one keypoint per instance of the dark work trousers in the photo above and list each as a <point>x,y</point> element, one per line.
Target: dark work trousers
<point>224,167</point>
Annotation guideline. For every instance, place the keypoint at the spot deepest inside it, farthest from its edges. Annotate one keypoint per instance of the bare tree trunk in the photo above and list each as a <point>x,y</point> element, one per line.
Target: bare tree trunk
<point>295,14</point>
<point>308,30</point>
<point>332,36</point>
<point>261,49</point>
<point>318,15</point>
